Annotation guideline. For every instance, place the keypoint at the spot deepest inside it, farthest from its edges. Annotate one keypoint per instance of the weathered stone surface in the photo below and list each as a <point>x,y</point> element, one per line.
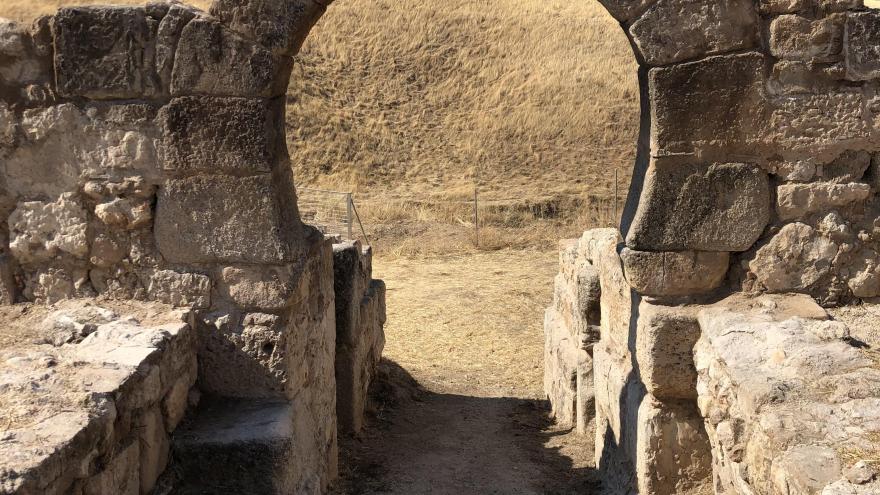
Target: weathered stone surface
<point>212,60</point>
<point>862,47</point>
<point>794,37</point>
<point>666,339</point>
<point>626,10</point>
<point>794,260</point>
<point>684,207</point>
<point>266,288</point>
<point>218,135</point>
<point>810,121</point>
<point>715,104</point>
<point>673,451</point>
<point>102,52</point>
<point>181,289</point>
<point>797,201</point>
<point>850,166</point>
<point>155,447</point>
<point>119,476</point>
<point>674,273</point>
<point>673,31</point>
<point>220,219</point>
<point>777,398</point>
<point>125,213</point>
<point>167,37</point>
<point>281,26</point>
<point>40,231</point>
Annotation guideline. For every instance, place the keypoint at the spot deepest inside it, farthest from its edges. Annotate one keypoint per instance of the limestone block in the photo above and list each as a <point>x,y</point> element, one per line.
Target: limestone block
<point>795,259</point>
<point>586,394</point>
<point>862,46</point>
<point>712,104</point>
<point>666,339</point>
<point>167,37</point>
<point>797,201</point>
<point>805,469</point>
<point>212,60</point>
<point>218,135</point>
<point>674,274</point>
<point>120,476</point>
<point>180,289</point>
<point>281,26</point>
<point>794,37</point>
<point>561,359</point>
<point>673,31</point>
<point>24,66</point>
<point>674,455</point>
<point>40,231</point>
<point>266,288</point>
<point>808,121</point>
<point>101,52</point>
<point>8,288</point>
<point>154,447</point>
<point>693,207</point>
<point>220,219</point>
<point>866,282</point>
<point>626,10</point>
<point>176,400</point>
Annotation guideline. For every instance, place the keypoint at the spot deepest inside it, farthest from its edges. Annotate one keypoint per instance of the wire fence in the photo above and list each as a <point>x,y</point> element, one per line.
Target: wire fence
<point>332,212</point>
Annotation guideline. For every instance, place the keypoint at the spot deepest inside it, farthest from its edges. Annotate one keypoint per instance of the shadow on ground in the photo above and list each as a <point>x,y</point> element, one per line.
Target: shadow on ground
<point>422,442</point>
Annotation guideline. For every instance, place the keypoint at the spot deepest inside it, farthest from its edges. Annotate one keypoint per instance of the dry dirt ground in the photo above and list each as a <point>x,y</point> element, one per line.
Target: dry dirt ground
<point>458,407</point>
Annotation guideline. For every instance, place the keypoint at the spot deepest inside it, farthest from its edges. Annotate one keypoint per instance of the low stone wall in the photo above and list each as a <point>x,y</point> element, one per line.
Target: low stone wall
<point>360,338</point>
<point>571,328</point>
<point>92,396</point>
<point>791,406</point>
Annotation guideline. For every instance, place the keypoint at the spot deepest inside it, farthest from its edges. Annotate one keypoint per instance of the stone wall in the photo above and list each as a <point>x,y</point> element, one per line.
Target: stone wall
<point>143,156</point>
<point>360,338</point>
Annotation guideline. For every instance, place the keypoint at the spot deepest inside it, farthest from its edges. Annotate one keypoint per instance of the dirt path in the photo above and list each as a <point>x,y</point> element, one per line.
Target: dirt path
<point>461,412</point>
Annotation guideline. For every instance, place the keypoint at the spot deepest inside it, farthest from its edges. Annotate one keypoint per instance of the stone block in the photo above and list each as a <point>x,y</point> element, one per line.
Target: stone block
<point>850,166</point>
<point>102,52</point>
<point>167,37</point>
<point>685,273</point>
<point>673,31</point>
<point>238,447</point>
<point>220,220</point>
<point>212,60</point>
<point>176,400</point>
<point>805,122</point>
<point>694,207</point>
<point>180,289</point>
<point>561,359</point>
<point>862,46</point>
<point>8,288</point>
<point>281,26</point>
<point>793,37</point>
<point>155,447</point>
<point>715,104</point>
<point>267,288</point>
<point>218,135</point>
<point>666,339</point>
<point>674,455</point>
<point>120,476</point>
<point>794,260</point>
<point>798,201</point>
<point>586,394</point>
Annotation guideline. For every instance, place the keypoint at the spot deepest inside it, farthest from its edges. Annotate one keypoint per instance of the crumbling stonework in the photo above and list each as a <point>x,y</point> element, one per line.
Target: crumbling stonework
<point>143,157</point>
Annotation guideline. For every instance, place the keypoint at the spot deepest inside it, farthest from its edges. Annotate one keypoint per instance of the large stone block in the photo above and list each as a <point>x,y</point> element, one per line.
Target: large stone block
<point>101,52</point>
<point>666,339</point>
<point>796,259</point>
<point>722,207</point>
<point>561,359</point>
<point>862,46</point>
<point>220,219</point>
<point>813,121</point>
<point>653,273</point>
<point>674,455</point>
<point>715,104</point>
<point>219,135</point>
<point>212,60</point>
<point>280,25</point>
<point>41,231</point>
<point>672,31</point>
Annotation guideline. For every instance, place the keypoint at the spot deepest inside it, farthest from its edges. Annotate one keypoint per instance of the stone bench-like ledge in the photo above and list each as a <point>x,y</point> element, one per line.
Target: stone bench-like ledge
<point>90,392</point>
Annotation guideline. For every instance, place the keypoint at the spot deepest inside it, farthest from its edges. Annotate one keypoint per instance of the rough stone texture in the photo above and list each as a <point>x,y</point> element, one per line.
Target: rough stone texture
<point>674,274</point>
<point>786,402</point>
<point>100,394</point>
<point>678,30</point>
<point>281,26</point>
<point>720,207</point>
<point>220,220</point>
<point>41,231</point>
<point>796,201</point>
<point>795,260</point>
<point>360,338</point>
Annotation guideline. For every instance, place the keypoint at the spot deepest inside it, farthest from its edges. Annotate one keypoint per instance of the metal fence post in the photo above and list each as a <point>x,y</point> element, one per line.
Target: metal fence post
<point>348,206</point>
<point>476,218</point>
